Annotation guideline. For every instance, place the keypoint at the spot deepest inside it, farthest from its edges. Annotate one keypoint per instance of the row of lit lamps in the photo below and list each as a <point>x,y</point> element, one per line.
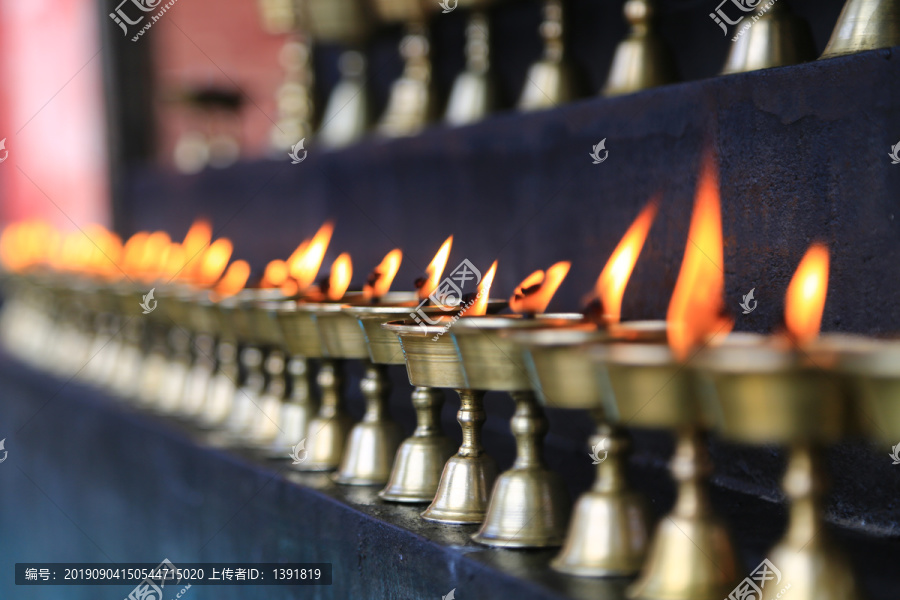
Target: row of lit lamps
<point>236,360</point>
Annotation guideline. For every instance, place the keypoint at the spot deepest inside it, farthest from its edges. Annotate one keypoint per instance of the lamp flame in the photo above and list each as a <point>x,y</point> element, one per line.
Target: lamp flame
<point>234,279</point>
<point>610,286</point>
<point>305,268</point>
<point>213,262</point>
<point>275,275</point>
<point>381,278</point>
<point>196,239</point>
<point>805,299</point>
<point>696,308</point>
<point>435,269</point>
<point>534,293</point>
<point>479,307</point>
<point>339,279</point>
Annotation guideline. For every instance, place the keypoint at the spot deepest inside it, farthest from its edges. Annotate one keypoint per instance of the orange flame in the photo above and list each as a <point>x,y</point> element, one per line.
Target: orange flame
<point>234,279</point>
<point>305,269</point>
<point>339,280</point>
<point>196,239</point>
<point>213,262</point>
<point>153,255</point>
<point>381,278</point>
<point>174,261</point>
<point>610,287</point>
<point>133,252</point>
<point>30,243</point>
<point>435,269</point>
<point>697,305</point>
<point>275,274</point>
<point>534,293</point>
<point>805,300</point>
<point>479,307</point>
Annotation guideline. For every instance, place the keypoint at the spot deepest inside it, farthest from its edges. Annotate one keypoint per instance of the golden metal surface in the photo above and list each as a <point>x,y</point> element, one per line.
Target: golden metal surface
<point>609,530</point>
<point>873,372</point>
<point>384,345</point>
<point>529,506</point>
<point>373,442</point>
<point>550,81</point>
<point>642,60</point>
<point>864,25</point>
<point>772,393</point>
<point>420,459</point>
<point>493,361</point>
<point>765,394</point>
<point>690,556</point>
<point>404,11</point>
<point>327,432</point>
<point>348,112</point>
<point>342,336</point>
<point>651,389</point>
<point>473,94</point>
<point>610,527</point>
<point>298,326</point>
<point>297,410</point>
<point>463,491</point>
<point>430,361</point>
<point>777,38</point>
<point>341,21</point>
<point>412,103</point>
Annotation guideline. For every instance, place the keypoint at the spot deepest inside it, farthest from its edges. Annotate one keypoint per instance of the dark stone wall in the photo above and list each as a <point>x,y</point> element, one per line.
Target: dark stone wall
<point>803,154</point>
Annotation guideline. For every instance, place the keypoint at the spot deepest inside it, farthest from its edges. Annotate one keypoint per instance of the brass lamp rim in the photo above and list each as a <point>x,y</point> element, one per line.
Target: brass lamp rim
<point>751,353</point>
<point>871,357</point>
<point>589,333</point>
<point>468,325</point>
<point>411,328</point>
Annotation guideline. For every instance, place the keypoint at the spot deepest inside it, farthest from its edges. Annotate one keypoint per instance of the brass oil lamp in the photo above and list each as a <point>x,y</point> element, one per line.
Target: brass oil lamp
<point>348,111</point>
<point>294,96</point>
<point>690,556</point>
<point>864,25</point>
<point>608,533</point>
<point>326,432</point>
<point>550,81</point>
<point>412,103</point>
<point>465,483</point>
<point>528,506</point>
<point>473,95</point>
<point>371,444</point>
<point>642,60</point>
<point>785,390</point>
<point>772,36</point>
<point>417,465</point>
